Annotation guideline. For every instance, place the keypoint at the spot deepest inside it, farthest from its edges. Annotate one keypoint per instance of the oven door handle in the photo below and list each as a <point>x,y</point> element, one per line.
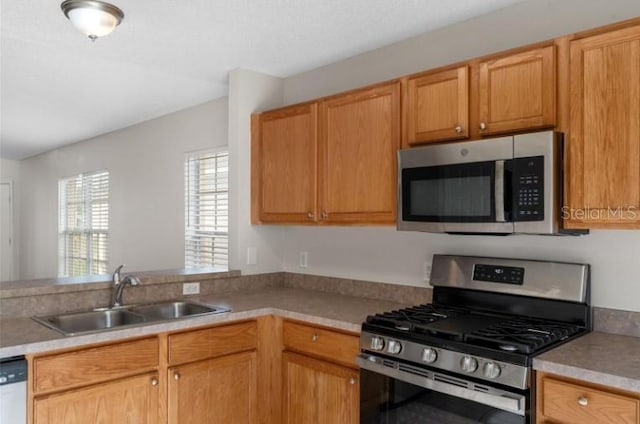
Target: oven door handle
<point>505,401</point>
<point>499,190</point>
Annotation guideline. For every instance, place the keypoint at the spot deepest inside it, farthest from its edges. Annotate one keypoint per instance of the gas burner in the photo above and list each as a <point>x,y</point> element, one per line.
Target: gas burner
<point>521,334</point>
<point>406,320</point>
<point>509,348</point>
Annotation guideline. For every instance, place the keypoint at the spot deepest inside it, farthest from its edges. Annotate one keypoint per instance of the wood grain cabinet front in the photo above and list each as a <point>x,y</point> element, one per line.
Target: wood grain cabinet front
<point>566,401</point>
<point>109,383</point>
<point>437,106</point>
<point>604,136</point>
<point>319,392</point>
<point>359,138</point>
<point>218,390</point>
<point>320,379</point>
<point>518,92</point>
<point>128,400</point>
<point>328,162</point>
<point>284,165</point>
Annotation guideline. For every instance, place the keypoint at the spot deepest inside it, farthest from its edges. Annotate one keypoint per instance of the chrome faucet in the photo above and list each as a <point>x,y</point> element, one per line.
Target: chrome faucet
<point>119,283</point>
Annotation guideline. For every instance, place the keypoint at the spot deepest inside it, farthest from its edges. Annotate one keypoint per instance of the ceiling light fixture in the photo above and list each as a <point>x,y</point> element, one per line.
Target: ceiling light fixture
<point>92,17</point>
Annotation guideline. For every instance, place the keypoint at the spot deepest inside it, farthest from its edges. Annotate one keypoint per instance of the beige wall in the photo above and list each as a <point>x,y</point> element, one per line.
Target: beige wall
<point>385,255</point>
<point>146,165</point>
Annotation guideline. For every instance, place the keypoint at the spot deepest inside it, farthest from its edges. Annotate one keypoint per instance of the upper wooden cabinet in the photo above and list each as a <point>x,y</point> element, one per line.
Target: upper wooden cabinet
<point>518,92</point>
<point>437,106</point>
<point>604,136</point>
<point>332,162</point>
<point>284,162</point>
<point>359,138</point>
<point>501,94</point>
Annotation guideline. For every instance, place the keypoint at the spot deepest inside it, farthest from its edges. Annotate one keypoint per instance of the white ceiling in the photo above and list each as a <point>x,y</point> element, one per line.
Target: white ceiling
<point>59,88</point>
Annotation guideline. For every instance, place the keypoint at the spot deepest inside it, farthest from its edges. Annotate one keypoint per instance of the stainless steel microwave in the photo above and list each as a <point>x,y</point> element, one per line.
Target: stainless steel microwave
<point>502,185</point>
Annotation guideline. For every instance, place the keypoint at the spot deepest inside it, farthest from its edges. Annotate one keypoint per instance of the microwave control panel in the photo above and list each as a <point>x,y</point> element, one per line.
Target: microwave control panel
<point>528,189</point>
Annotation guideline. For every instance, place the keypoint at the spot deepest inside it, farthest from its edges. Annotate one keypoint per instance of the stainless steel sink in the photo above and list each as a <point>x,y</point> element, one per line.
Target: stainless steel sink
<point>87,322</point>
<point>173,310</point>
<point>71,324</point>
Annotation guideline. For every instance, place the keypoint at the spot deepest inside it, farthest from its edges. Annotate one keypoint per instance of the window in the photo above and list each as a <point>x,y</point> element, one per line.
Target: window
<point>207,210</point>
<point>83,224</point>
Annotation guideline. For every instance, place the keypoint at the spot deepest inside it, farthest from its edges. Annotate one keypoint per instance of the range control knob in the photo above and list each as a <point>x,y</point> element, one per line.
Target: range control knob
<point>394,347</point>
<point>491,370</point>
<point>429,355</point>
<point>377,343</point>
<point>469,364</point>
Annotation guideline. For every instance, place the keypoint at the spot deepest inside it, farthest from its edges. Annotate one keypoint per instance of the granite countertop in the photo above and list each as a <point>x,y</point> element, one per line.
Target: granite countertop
<point>588,358</point>
<point>601,358</point>
<point>22,335</point>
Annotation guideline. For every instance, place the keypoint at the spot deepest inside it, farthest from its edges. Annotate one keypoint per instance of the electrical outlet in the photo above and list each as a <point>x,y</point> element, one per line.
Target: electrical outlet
<point>190,288</point>
<point>303,258</point>
<point>252,256</point>
<point>427,271</point>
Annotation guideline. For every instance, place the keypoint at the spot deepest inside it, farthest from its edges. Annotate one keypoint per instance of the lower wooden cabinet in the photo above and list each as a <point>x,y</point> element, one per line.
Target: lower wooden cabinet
<point>262,371</point>
<point>320,379</point>
<point>219,390</point>
<point>130,400</point>
<point>567,401</point>
<point>319,392</point>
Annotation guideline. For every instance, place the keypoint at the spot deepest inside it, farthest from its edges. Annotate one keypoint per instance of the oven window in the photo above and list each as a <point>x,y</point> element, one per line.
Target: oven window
<point>385,400</point>
<point>449,193</point>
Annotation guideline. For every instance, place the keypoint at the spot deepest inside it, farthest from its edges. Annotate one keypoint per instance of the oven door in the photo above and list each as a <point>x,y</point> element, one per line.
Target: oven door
<point>401,394</point>
<point>459,188</point>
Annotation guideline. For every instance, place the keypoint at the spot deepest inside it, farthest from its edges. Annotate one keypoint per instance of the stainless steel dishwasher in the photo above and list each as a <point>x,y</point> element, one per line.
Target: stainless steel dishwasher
<point>13,390</point>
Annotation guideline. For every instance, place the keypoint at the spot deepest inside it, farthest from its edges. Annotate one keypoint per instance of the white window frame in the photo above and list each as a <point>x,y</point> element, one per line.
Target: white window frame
<point>64,232</point>
<point>216,254</point>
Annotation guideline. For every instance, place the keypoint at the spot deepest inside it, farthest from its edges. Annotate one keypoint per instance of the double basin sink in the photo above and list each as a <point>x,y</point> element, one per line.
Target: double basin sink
<point>97,320</point>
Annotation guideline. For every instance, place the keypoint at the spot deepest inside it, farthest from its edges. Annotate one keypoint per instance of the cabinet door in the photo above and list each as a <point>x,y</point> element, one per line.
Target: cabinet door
<point>284,157</point>
<point>438,106</point>
<point>220,390</point>
<point>360,136</point>
<point>319,392</point>
<point>604,145</point>
<point>518,92</point>
<point>132,400</point>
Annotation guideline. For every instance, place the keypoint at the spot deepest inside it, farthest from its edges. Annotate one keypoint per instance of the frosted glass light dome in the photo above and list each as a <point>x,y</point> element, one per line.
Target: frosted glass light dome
<point>91,17</point>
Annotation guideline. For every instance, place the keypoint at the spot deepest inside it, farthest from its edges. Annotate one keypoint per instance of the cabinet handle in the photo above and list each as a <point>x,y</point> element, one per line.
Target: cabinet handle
<point>583,401</point>
<point>483,126</point>
<point>310,215</point>
<point>176,375</point>
<point>324,215</point>
<point>352,380</point>
<point>314,337</point>
<point>458,128</point>
<point>154,381</point>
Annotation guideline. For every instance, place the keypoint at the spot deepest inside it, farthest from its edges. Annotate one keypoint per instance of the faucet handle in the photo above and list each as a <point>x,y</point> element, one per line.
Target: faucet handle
<point>116,275</point>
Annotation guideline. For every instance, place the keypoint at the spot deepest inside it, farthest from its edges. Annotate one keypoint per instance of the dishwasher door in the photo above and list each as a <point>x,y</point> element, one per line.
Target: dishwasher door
<point>13,391</point>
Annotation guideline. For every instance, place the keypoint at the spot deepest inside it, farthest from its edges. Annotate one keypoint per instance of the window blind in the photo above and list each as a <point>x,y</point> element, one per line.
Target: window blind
<point>83,224</point>
<point>207,210</point>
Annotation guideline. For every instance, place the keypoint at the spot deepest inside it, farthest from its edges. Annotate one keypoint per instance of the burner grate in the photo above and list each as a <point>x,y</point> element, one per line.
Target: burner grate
<point>406,320</point>
<point>521,335</point>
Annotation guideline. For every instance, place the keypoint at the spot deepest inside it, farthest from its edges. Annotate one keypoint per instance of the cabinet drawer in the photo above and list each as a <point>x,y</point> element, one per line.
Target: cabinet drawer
<point>315,341</point>
<point>196,345</point>
<point>93,365</point>
<point>570,403</point>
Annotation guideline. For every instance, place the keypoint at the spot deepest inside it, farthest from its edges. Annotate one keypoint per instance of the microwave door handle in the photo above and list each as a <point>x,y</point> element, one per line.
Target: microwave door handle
<point>499,190</point>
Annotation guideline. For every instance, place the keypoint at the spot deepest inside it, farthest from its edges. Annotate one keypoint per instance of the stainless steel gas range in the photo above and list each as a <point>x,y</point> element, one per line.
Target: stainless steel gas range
<point>466,358</point>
